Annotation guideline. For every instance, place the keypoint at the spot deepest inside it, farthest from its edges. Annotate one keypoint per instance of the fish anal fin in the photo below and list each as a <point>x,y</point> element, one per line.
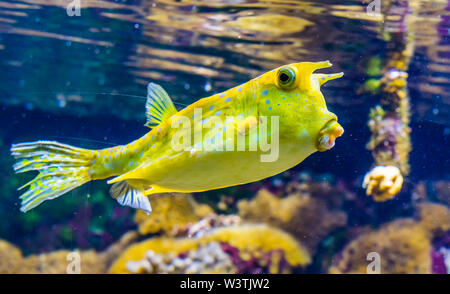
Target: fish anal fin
<point>159,106</point>
<point>155,189</point>
<point>134,174</point>
<point>128,195</point>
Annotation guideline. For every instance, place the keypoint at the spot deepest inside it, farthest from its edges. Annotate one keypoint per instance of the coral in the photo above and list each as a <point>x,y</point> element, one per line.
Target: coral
<point>211,221</point>
<point>249,240</point>
<point>113,251</point>
<point>12,261</point>
<point>307,218</point>
<point>383,182</point>
<point>257,262</point>
<point>390,141</point>
<point>10,258</point>
<point>170,214</point>
<point>57,262</point>
<point>208,258</point>
<point>404,245</point>
<point>261,237</point>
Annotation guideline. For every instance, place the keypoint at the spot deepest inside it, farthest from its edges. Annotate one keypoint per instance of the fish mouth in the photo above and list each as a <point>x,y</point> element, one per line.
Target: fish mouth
<point>328,134</point>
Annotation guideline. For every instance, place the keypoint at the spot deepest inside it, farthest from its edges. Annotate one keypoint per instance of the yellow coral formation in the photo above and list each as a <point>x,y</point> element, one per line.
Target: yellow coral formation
<point>404,245</point>
<point>169,213</point>
<point>12,261</point>
<point>307,218</point>
<point>435,218</point>
<point>390,141</point>
<point>383,182</point>
<point>56,263</point>
<point>91,262</point>
<point>209,258</point>
<point>245,237</point>
<point>261,237</point>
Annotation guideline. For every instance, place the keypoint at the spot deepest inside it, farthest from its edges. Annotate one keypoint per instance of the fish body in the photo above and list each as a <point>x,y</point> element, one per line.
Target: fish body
<point>247,133</point>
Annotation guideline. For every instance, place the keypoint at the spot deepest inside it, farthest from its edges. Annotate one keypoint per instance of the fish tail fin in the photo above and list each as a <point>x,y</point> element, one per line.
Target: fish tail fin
<point>61,168</point>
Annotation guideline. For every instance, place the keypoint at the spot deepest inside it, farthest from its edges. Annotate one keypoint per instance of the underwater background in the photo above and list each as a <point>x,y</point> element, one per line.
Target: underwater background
<point>82,79</point>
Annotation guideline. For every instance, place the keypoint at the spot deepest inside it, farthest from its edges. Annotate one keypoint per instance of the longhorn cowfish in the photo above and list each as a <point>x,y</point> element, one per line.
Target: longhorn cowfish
<point>283,108</point>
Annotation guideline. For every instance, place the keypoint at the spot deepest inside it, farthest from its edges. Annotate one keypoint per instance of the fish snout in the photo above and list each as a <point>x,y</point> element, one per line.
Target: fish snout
<point>328,134</point>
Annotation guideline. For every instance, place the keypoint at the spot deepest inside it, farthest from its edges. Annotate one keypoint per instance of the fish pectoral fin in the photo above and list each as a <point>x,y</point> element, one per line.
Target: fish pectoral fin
<point>159,106</point>
<point>127,195</point>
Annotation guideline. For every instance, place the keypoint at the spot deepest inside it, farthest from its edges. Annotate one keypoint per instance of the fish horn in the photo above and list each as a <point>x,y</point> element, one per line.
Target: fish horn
<point>321,64</point>
<point>306,70</point>
<point>323,78</point>
<point>309,67</point>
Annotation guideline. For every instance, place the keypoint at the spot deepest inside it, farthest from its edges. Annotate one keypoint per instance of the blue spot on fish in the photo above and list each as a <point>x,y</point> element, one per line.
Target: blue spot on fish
<point>228,99</point>
<point>264,92</point>
<point>219,112</point>
<point>239,88</point>
<point>270,108</point>
<point>211,107</point>
<point>267,101</point>
<point>221,95</point>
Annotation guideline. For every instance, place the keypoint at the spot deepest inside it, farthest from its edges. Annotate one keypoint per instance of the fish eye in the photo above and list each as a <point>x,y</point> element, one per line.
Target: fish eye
<point>286,77</point>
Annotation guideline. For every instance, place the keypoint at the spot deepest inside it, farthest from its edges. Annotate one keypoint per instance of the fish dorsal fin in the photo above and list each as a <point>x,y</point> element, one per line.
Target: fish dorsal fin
<point>128,195</point>
<point>159,106</point>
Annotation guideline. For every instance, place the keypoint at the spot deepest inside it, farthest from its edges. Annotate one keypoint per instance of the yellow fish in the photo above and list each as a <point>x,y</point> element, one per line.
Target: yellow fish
<point>245,134</point>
